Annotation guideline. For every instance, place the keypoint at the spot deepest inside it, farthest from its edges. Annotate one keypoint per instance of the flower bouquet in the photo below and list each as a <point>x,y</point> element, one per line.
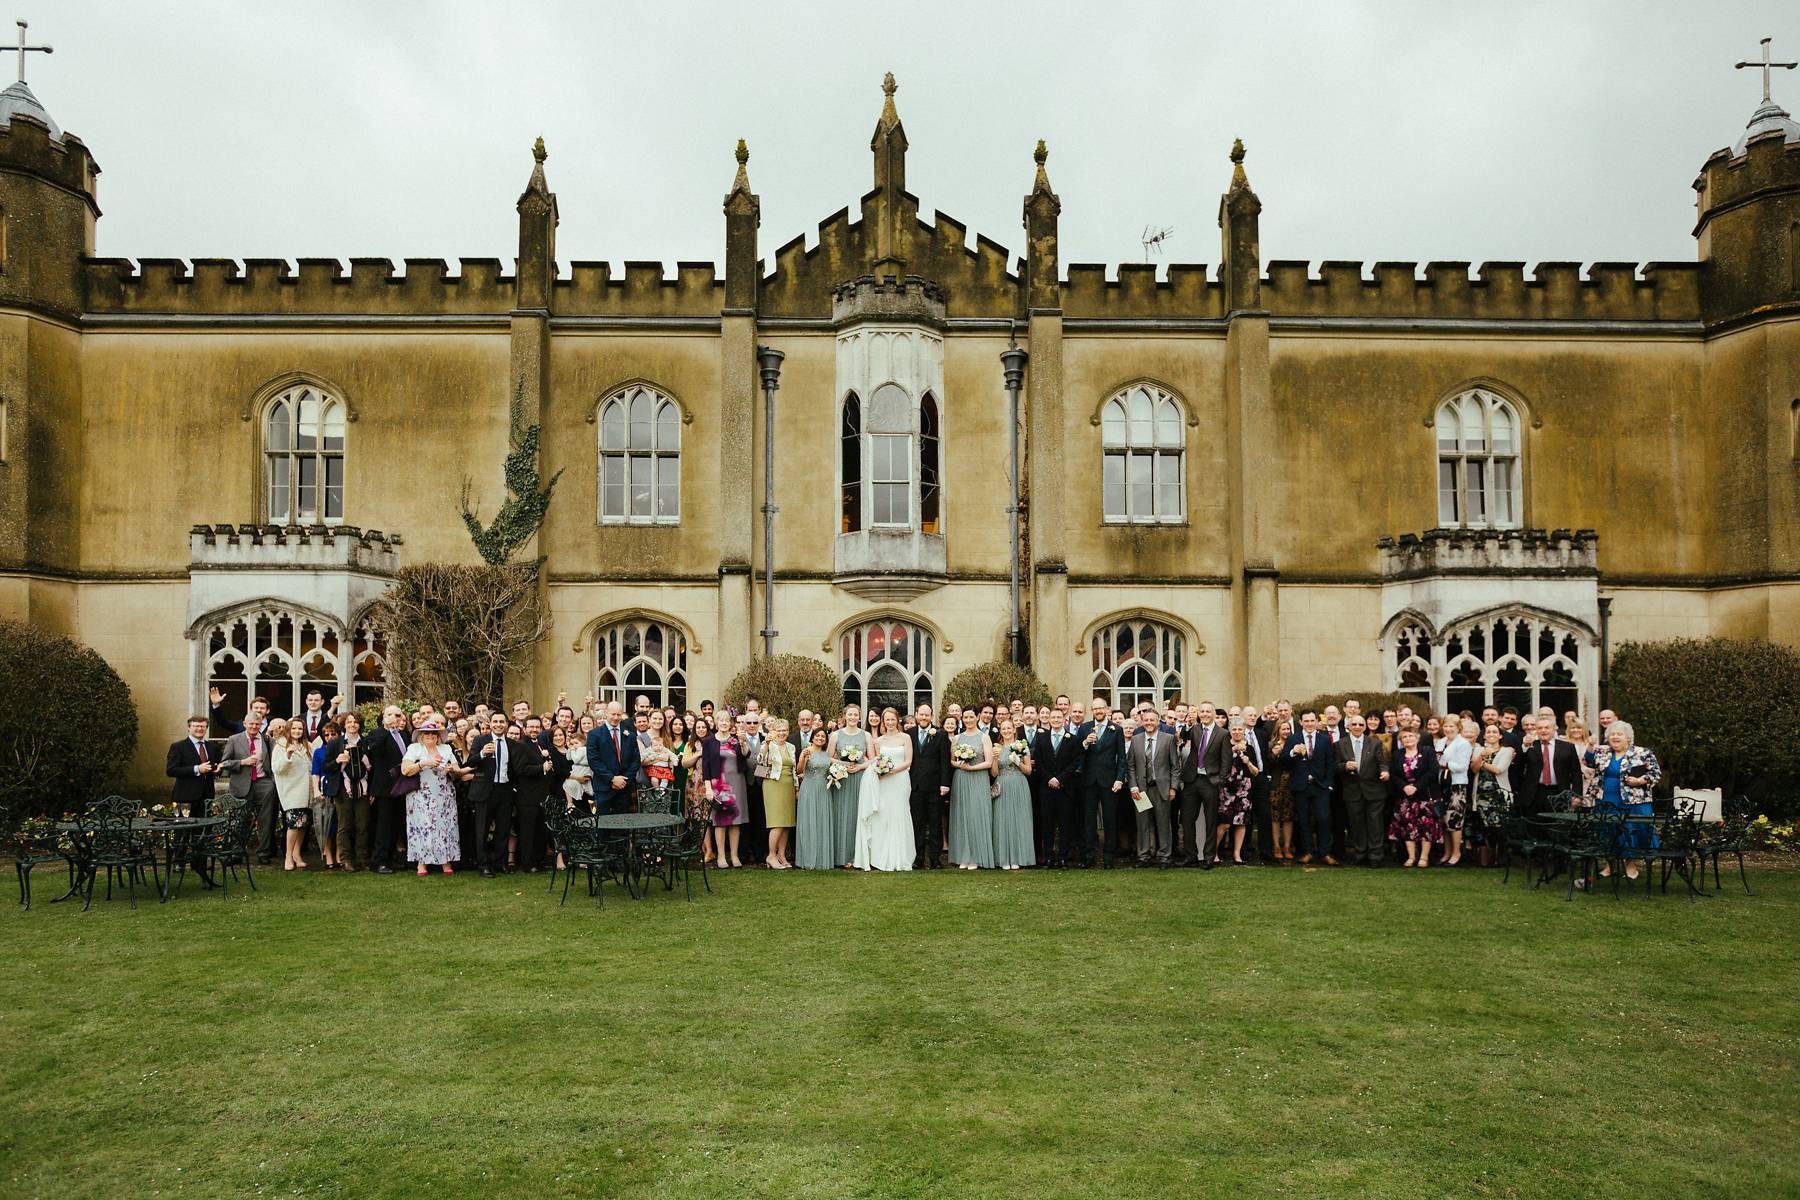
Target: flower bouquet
<point>964,753</point>
<point>1019,749</point>
<point>884,765</point>
<point>724,806</point>
<point>835,774</point>
<point>851,754</point>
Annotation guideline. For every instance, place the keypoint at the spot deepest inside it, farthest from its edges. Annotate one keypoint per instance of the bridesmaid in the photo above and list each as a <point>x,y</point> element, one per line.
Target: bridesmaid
<point>1012,809</point>
<point>971,796</point>
<point>814,827</point>
<point>850,736</point>
<point>778,793</point>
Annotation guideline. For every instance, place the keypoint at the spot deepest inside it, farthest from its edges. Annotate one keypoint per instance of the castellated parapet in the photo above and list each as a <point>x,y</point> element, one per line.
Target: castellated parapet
<point>304,547</point>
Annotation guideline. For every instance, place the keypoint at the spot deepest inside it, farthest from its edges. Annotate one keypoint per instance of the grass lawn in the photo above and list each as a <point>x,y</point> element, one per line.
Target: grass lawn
<point>1132,1033</point>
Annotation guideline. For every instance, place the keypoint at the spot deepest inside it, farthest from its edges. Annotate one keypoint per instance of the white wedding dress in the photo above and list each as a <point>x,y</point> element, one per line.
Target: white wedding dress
<point>884,832</point>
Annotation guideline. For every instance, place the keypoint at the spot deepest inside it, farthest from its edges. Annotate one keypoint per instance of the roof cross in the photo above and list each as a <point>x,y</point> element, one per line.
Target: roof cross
<point>1765,64</point>
<point>22,50</point>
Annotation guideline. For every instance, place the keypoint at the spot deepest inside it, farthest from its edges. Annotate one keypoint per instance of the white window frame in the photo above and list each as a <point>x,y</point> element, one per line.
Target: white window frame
<point>629,448</point>
<point>1479,440</point>
<point>285,460</point>
<point>625,666</point>
<point>1143,440</point>
<point>1152,667</point>
<point>867,649</point>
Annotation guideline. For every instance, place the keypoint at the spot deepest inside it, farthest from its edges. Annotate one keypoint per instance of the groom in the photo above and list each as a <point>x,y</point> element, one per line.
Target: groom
<point>930,784</point>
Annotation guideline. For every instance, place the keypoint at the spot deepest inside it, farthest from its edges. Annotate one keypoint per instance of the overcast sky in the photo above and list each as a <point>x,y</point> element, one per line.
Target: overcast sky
<point>1376,131</point>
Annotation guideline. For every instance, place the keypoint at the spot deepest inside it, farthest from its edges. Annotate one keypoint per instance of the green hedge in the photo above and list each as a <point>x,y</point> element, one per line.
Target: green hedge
<point>999,682</point>
<point>1718,713</point>
<point>786,683</point>
<point>68,728</point>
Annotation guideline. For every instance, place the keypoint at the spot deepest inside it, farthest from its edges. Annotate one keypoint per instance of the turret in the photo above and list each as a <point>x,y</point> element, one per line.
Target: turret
<point>1042,207</point>
<point>892,214</point>
<point>537,235</point>
<point>1747,202</point>
<point>1240,268</point>
<point>47,207</point>
<point>743,213</point>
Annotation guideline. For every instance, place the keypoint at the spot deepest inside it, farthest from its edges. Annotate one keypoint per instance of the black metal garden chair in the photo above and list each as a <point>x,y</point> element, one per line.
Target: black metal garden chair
<point>1729,836</point>
<point>33,850</point>
<point>116,848</point>
<point>226,846</point>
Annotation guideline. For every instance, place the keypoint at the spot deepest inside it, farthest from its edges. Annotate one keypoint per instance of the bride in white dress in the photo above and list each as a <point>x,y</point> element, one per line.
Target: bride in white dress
<point>884,832</point>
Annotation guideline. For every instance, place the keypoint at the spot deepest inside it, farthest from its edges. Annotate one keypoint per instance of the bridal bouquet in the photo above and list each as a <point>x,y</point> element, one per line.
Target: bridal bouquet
<point>853,754</point>
<point>1018,749</point>
<point>964,753</point>
<point>835,774</point>
<point>884,764</point>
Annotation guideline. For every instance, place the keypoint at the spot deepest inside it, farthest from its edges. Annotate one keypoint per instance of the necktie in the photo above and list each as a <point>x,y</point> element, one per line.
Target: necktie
<point>1205,737</point>
<point>1309,744</point>
<point>500,760</point>
<point>618,751</point>
<point>1150,748</point>
<point>200,749</point>
<point>256,760</point>
<point>1549,775</point>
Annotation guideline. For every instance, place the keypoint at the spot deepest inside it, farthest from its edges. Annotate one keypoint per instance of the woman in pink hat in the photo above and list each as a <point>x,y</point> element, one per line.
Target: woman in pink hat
<point>431,832</point>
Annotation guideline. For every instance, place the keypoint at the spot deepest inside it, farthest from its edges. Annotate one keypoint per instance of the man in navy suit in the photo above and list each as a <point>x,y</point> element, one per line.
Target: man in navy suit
<point>1057,757</point>
<point>1104,767</point>
<point>613,757</point>
<point>1311,759</point>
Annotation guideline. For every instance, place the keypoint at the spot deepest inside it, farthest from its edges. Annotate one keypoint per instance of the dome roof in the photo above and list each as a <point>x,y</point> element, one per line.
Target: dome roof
<point>17,99</point>
<point>1770,116</point>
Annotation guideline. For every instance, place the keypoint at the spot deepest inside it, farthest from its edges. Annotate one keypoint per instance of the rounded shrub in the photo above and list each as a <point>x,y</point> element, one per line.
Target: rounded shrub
<point>786,683</point>
<point>68,727</point>
<point>999,682</point>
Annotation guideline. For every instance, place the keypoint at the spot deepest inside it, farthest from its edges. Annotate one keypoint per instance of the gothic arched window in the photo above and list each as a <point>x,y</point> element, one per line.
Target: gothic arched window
<point>850,465</point>
<point>887,664</point>
<point>641,658</point>
<point>1144,457</point>
<point>274,654</point>
<point>303,458</point>
<point>1138,660</point>
<point>1519,659</point>
<point>1478,438</point>
<point>640,458</point>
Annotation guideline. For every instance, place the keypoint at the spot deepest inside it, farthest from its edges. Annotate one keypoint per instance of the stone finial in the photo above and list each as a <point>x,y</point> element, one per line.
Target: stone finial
<point>742,182</point>
<point>890,116</point>
<point>537,188</point>
<point>1238,178</point>
<point>1039,156</point>
<point>537,149</point>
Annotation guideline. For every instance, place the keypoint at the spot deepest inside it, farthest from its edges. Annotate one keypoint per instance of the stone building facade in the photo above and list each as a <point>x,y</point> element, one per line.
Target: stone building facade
<point>1264,478</point>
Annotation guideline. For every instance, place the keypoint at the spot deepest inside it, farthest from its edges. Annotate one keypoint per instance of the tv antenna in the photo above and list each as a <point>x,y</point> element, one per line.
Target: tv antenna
<point>1153,239</point>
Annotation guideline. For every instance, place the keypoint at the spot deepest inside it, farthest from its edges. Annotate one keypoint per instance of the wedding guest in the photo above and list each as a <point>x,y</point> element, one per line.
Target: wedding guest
<point>432,838</point>
<point>1202,774</point>
<point>930,777</point>
<point>194,770</point>
<point>347,781</point>
<point>1014,845</point>
<point>1492,765</point>
<point>1363,765</point>
<point>754,842</point>
<point>260,706</point>
<point>534,775</point>
<point>1580,741</point>
<point>698,806</point>
<point>322,802</point>
<point>1057,756</point>
<point>389,787</point>
<point>1308,760</point>
<point>1281,799</point>
<point>775,763</point>
<point>852,746</point>
<point>971,797</point>
<point>815,839</point>
<point>1459,752</point>
<point>1415,822</point>
<point>1154,772</point>
<point>613,755</point>
<point>578,788</point>
<point>723,773</point>
<point>246,760</point>
<point>1234,794</point>
<point>1627,773</point>
<point>678,740</point>
<point>1103,776</point>
<point>291,763</point>
<point>562,770</point>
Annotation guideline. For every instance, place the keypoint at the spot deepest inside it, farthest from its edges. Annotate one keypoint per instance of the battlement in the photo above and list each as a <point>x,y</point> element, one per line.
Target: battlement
<point>320,286</point>
<point>1489,552</point>
<point>696,290</point>
<point>26,145</point>
<point>287,547</point>
<point>1136,293</point>
<point>1498,290</point>
<point>1768,163</point>
<point>867,298</point>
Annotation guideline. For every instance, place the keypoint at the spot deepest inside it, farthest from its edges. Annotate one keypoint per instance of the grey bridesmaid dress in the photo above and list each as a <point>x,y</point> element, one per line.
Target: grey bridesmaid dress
<point>843,800</point>
<point>1013,845</point>
<point>815,842</point>
<point>971,811</point>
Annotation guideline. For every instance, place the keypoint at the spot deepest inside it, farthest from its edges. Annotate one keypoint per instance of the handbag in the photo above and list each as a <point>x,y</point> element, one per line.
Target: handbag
<point>766,762</point>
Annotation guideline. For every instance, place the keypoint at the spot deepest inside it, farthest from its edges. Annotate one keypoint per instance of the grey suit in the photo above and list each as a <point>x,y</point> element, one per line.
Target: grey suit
<point>1365,797</point>
<point>261,792</point>
<point>1153,771</point>
<point>1201,774</point>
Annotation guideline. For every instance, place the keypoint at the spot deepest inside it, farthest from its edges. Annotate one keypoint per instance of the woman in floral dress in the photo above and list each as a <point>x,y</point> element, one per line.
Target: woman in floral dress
<point>431,833</point>
<point>1234,795</point>
<point>1415,815</point>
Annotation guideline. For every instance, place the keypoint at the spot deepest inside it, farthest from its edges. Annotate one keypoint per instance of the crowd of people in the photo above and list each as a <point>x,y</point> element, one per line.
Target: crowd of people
<point>999,785</point>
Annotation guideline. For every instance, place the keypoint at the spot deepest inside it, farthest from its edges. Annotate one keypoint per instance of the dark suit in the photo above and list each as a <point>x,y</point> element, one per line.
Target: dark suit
<point>1202,771</point>
<point>1309,779</point>
<point>190,787</point>
<point>1058,757</point>
<point>384,755</point>
<point>347,787</point>
<point>930,771</point>
<point>1365,797</point>
<point>1565,773</point>
<point>606,762</point>
<point>534,778</point>
<point>1043,813</point>
<point>1105,764</point>
<point>493,797</point>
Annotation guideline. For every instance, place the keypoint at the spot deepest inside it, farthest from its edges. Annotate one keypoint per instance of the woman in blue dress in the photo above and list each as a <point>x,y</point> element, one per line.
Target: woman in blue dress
<point>971,796</point>
<point>1626,773</point>
<point>1013,843</point>
<point>815,842</point>
<point>851,747</point>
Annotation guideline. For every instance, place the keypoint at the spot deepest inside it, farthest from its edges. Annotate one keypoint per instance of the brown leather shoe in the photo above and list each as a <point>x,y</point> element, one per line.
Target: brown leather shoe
<point>1305,858</point>
<point>1330,861</point>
